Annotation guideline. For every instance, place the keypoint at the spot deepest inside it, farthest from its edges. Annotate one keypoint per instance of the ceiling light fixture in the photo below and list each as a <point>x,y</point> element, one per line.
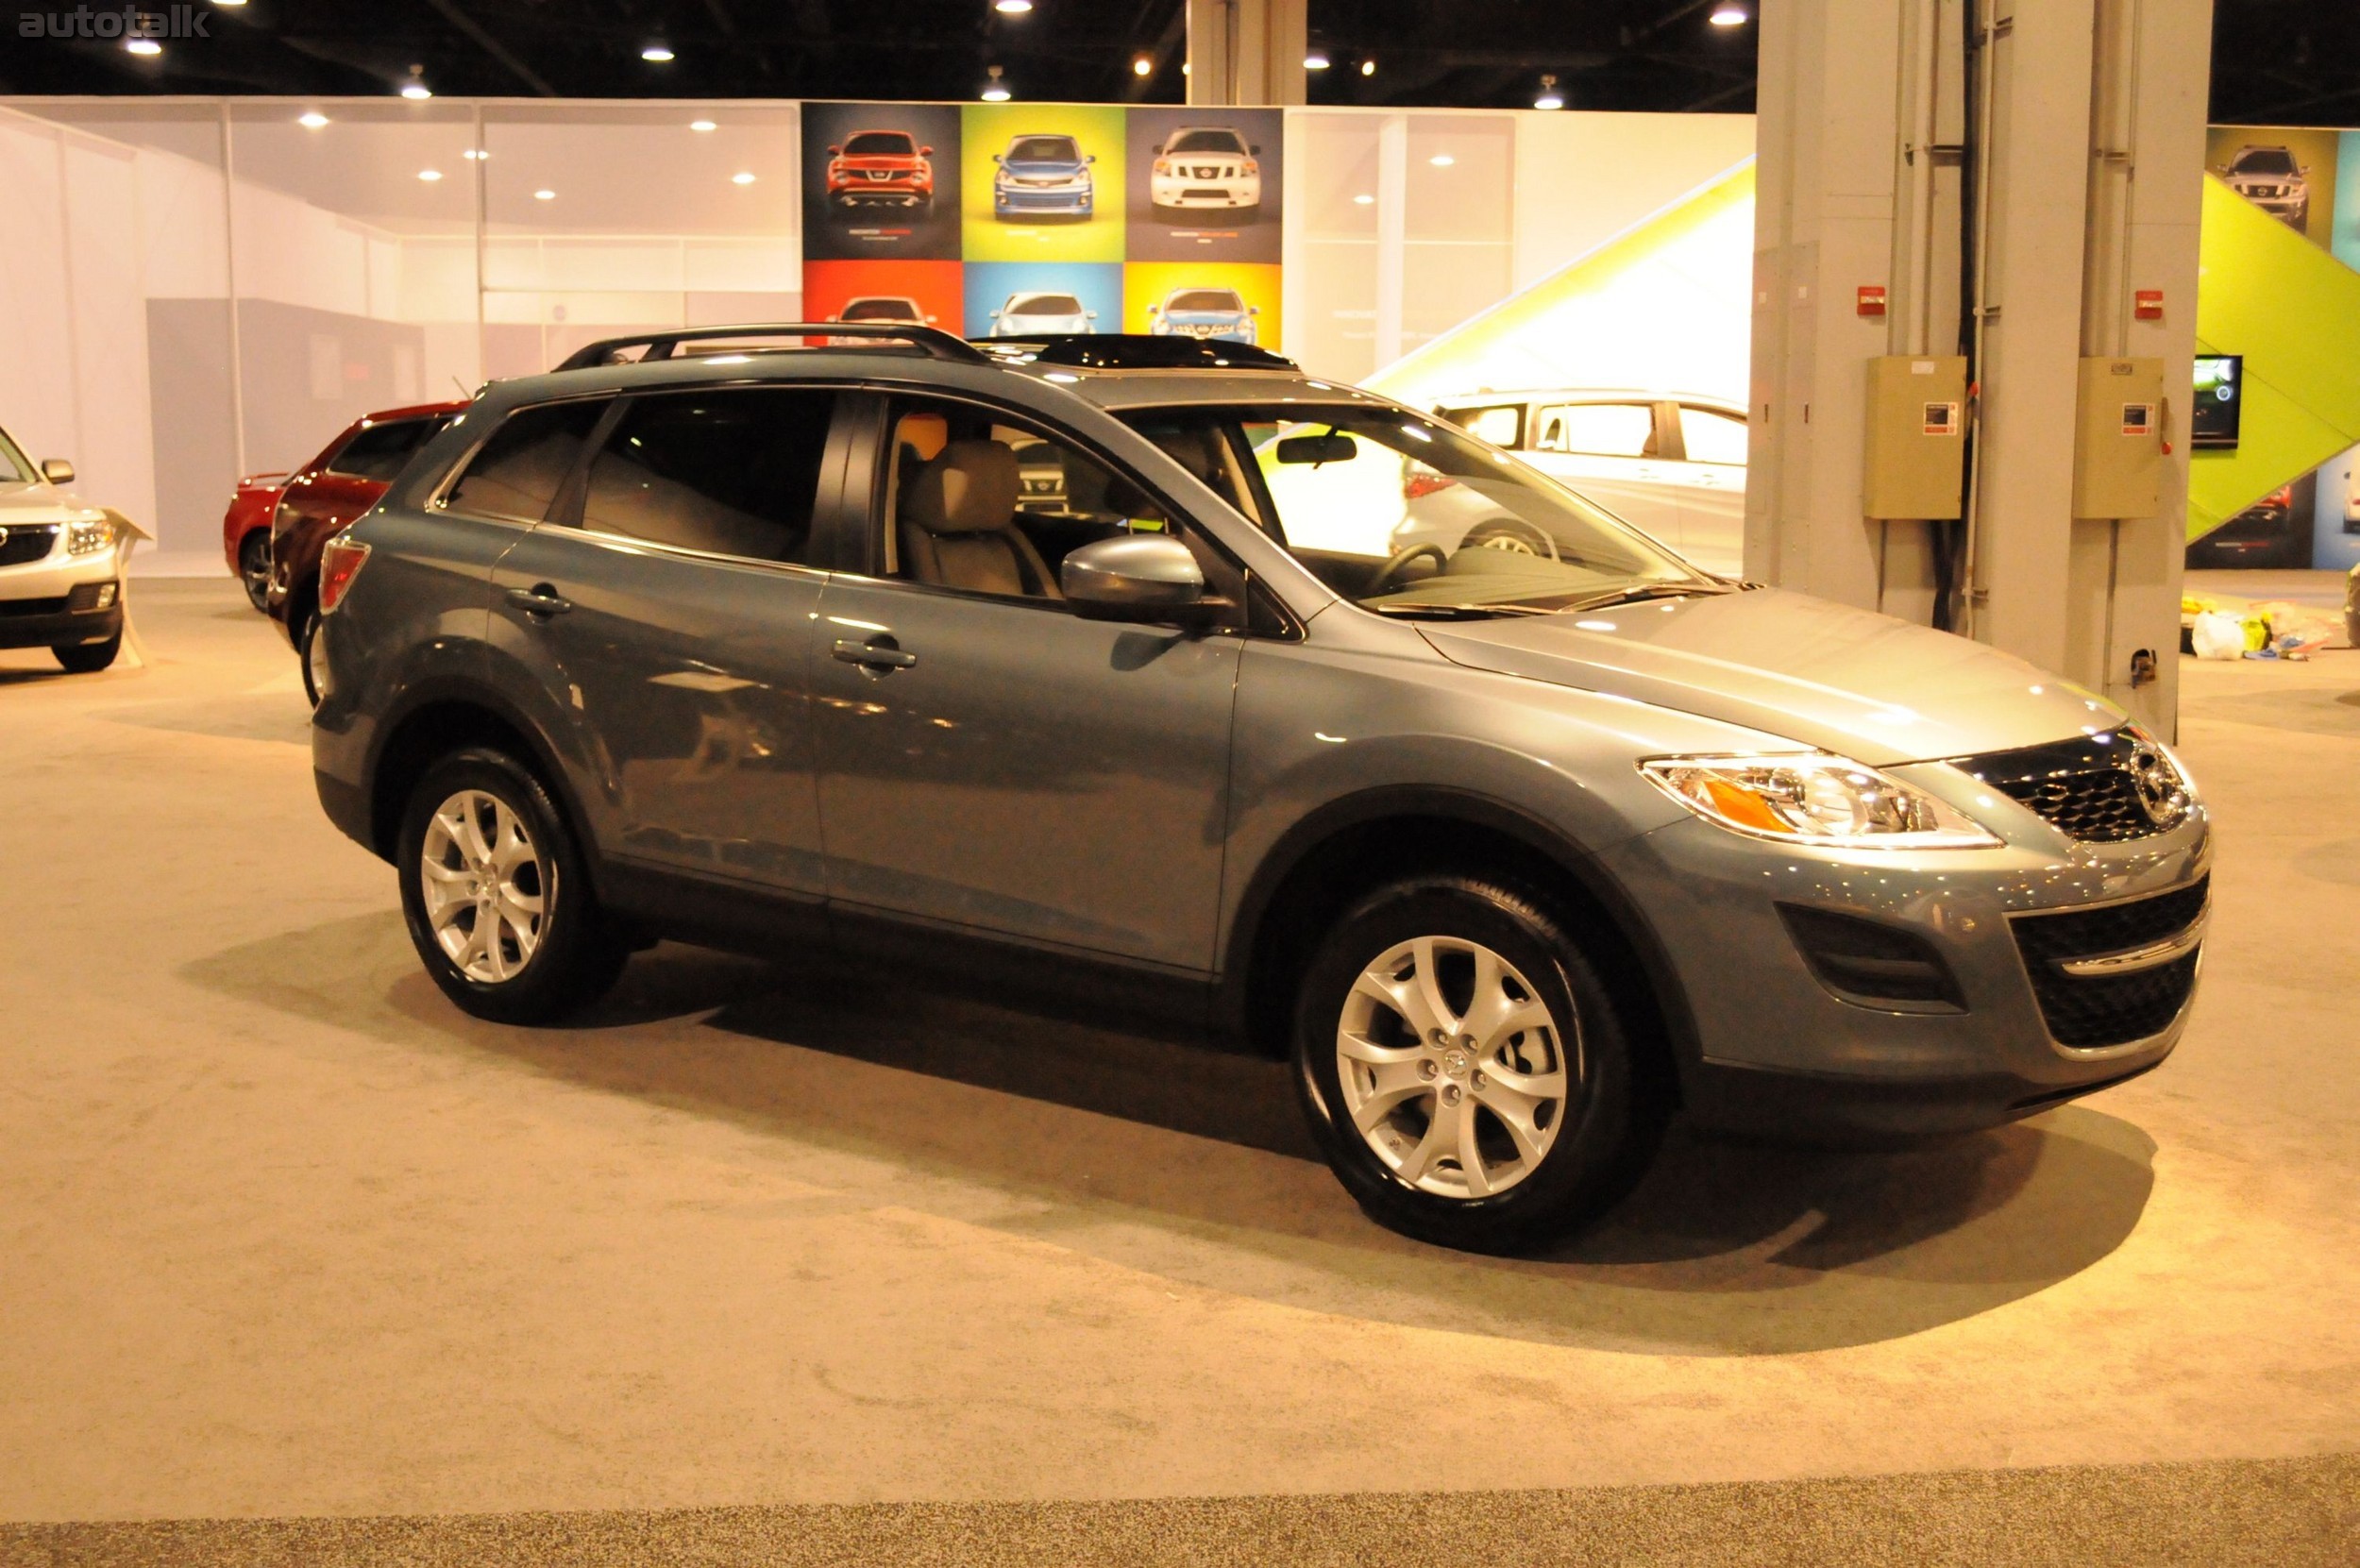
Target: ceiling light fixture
<point>741,177</point>
<point>1441,161</point>
<point>545,196</point>
<point>1368,68</point>
<point>1550,97</point>
<point>475,154</point>
<point>1315,60</point>
<point>310,119</point>
<point>1364,199</point>
<point>415,88</point>
<point>143,46</point>
<point>995,86</point>
<point>702,126</point>
<point>1012,7</point>
<point>1142,66</point>
<point>656,54</point>
<point>430,175</point>
<point>1729,16</point>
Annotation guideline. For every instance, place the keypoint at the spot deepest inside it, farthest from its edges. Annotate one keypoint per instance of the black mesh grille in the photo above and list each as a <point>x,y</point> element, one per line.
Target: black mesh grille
<point>27,544</point>
<point>2110,1009</point>
<point>2082,786</point>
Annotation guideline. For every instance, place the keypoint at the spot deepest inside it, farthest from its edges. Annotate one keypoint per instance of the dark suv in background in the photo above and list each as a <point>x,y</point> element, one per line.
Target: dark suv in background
<point>1085,667</point>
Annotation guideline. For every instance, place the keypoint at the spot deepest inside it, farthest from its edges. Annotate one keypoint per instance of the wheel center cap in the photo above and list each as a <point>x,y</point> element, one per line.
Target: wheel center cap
<point>1455,1063</point>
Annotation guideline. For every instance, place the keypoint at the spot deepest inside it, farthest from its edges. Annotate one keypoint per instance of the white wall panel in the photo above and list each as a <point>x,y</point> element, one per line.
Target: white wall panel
<point>183,235</point>
<point>109,328</point>
<point>36,303</point>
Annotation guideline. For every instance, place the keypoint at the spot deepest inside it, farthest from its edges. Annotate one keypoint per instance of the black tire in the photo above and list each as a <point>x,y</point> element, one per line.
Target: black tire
<point>254,566</point>
<point>307,632</point>
<point>89,658</point>
<point>1606,1129</point>
<point>577,953</point>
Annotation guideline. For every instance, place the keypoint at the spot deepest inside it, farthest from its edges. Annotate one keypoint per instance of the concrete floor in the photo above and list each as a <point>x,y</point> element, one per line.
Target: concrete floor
<point>288,1237</point>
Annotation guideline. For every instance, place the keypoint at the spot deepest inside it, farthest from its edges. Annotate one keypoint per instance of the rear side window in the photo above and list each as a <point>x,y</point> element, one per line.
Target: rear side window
<point>729,472</point>
<point>1710,436</point>
<point>520,471</point>
<point>380,451</point>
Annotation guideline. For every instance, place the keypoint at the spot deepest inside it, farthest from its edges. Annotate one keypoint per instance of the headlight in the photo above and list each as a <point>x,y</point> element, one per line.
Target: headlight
<point>1815,799</point>
<point>90,538</point>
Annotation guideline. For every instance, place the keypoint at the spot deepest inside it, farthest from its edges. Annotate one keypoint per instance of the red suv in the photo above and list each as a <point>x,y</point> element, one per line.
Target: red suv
<point>277,523</point>
<point>880,168</point>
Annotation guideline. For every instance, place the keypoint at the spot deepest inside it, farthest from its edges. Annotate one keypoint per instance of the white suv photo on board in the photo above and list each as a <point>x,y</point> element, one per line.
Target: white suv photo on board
<point>1207,166</point>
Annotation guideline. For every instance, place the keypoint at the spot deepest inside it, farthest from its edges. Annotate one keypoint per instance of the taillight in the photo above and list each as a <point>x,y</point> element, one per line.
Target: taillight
<point>1424,482</point>
<point>341,560</point>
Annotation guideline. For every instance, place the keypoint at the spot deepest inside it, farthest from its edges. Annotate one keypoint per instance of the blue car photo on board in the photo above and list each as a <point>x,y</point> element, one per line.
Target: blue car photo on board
<point>1218,314</point>
<point>1043,174</point>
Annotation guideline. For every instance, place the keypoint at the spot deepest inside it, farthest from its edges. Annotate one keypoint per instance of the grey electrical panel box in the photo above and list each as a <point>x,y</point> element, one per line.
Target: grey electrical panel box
<point>2118,439</point>
<point>1917,437</point>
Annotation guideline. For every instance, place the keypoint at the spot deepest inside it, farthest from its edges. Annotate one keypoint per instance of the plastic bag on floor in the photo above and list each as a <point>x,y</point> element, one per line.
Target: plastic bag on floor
<point>2217,635</point>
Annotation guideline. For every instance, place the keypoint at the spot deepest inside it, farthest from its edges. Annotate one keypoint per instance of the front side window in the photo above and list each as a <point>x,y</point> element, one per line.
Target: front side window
<point>1709,435</point>
<point>517,473</point>
<point>981,501</point>
<point>378,452</point>
<point>729,471</point>
<point>1599,429</point>
<point>1407,515</point>
<point>14,467</point>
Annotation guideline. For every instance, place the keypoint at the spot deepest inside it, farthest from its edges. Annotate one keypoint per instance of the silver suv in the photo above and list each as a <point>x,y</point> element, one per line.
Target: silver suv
<point>771,647</point>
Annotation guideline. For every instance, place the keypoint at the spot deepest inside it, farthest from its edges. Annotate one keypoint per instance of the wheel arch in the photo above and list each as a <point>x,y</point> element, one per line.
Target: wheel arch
<point>1332,856</point>
<point>445,716</point>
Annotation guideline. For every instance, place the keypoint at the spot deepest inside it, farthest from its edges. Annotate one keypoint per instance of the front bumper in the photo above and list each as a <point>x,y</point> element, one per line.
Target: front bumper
<point>1173,191</point>
<point>882,193</point>
<point>60,599</point>
<point>1030,198</point>
<point>1776,1051</point>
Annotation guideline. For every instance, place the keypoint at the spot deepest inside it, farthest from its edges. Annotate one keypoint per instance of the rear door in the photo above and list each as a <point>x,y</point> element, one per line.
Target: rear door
<point>1711,473</point>
<point>1614,452</point>
<point>667,606</point>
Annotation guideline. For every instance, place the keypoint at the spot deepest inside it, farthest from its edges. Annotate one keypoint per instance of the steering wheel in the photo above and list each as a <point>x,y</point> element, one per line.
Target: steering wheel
<point>1400,562</point>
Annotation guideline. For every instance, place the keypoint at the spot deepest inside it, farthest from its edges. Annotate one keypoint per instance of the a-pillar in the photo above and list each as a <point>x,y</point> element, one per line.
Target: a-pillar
<point>2011,175</point>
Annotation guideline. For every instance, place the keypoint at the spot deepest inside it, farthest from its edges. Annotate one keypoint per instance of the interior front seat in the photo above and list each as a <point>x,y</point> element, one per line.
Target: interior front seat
<point>958,525</point>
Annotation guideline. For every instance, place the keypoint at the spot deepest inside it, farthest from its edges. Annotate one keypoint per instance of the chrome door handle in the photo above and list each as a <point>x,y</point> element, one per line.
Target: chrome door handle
<point>540,600</point>
<point>879,655</point>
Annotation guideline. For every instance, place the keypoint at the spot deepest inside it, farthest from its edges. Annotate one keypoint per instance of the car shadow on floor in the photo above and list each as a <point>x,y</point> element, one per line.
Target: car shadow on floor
<point>1191,1163</point>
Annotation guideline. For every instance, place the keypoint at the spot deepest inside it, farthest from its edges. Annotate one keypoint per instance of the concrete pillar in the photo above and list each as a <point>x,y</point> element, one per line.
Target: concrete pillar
<point>2072,130</point>
<point>1247,51</point>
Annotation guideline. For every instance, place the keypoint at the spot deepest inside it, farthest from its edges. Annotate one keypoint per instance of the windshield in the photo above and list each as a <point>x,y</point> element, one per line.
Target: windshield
<point>1403,515</point>
<point>880,143</point>
<point>14,467</point>
<point>2265,160</point>
<point>1043,149</point>
<point>1207,140</point>
<point>1219,300</point>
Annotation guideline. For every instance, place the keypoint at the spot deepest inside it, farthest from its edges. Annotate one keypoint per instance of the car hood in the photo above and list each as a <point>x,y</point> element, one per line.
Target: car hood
<point>1064,168</point>
<point>1867,686</point>
<point>25,504</point>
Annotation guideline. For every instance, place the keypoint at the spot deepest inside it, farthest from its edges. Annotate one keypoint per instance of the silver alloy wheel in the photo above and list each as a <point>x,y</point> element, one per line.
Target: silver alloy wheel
<point>1453,1069</point>
<point>488,890</point>
<point>254,568</point>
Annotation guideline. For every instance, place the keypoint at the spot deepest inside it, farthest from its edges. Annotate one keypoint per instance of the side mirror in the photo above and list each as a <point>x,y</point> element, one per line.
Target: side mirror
<point>998,158</point>
<point>1253,309</point>
<point>1148,578</point>
<point>1156,151</point>
<point>1092,158</point>
<point>1334,447</point>
<point>925,152</point>
<point>836,149</point>
<point>1090,315</point>
<point>1154,310</point>
<point>1253,149</point>
<point>57,470</point>
<point>995,315</point>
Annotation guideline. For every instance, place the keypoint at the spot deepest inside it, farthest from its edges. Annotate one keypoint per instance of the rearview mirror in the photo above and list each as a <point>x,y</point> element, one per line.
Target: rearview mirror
<point>1144,578</point>
<point>57,470</point>
<point>1331,447</point>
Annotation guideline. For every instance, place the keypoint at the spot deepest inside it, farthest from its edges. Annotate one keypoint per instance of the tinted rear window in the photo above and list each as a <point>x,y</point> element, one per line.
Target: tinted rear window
<point>518,472</point>
<point>380,451</point>
<point>730,472</point>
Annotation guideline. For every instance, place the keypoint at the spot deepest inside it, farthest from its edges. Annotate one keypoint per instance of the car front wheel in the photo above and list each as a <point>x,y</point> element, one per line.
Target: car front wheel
<point>494,895</point>
<point>254,568</point>
<point>1467,1071</point>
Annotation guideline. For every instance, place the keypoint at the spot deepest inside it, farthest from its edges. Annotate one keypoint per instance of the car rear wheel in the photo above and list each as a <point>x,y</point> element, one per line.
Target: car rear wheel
<point>88,658</point>
<point>312,654</point>
<point>1466,1070</point>
<point>494,892</point>
<point>254,568</point>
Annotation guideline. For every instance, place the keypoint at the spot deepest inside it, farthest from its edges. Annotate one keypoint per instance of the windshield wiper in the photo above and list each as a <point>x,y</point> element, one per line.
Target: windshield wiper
<point>1646,591</point>
<point>1456,612</point>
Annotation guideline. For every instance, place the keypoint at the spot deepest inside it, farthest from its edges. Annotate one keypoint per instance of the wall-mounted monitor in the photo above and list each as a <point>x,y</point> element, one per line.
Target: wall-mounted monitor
<point>2219,395</point>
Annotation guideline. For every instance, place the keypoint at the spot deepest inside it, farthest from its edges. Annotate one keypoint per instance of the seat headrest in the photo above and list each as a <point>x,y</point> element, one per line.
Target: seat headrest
<point>970,488</point>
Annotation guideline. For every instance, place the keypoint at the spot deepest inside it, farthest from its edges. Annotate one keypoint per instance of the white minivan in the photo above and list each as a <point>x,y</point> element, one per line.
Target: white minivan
<point>1674,463</point>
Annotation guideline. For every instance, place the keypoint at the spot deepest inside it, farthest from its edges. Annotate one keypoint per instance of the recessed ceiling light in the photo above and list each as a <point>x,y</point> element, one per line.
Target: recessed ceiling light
<point>1142,66</point>
<point>1012,7</point>
<point>1364,199</point>
<point>545,196</point>
<point>741,177</point>
<point>311,120</point>
<point>1727,16</point>
<point>703,125</point>
<point>1441,161</point>
<point>143,46</point>
<point>1550,97</point>
<point>1315,60</point>
<point>430,175</point>
<point>1368,68</point>
<point>414,90</point>
<point>475,154</point>
<point>656,54</point>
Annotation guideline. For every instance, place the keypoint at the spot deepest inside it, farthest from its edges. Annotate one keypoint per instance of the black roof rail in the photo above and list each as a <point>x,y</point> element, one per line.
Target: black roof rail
<point>1137,351</point>
<point>932,341</point>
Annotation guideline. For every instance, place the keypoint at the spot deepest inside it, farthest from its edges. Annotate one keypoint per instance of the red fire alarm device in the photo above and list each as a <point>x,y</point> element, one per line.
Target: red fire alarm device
<point>2147,304</point>
<point>1872,299</point>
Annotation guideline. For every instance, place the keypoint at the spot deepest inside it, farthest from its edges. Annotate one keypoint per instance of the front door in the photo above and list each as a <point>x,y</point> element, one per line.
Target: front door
<point>668,604</point>
<point>988,759</point>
